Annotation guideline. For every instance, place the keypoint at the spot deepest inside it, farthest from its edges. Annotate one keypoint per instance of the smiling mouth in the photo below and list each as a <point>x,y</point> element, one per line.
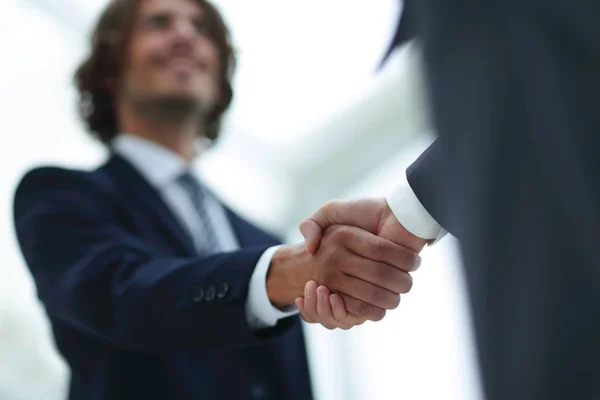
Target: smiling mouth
<point>182,62</point>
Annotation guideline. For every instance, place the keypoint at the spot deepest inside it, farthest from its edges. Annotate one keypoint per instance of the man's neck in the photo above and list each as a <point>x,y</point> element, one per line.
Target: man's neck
<point>176,141</point>
<point>179,137</point>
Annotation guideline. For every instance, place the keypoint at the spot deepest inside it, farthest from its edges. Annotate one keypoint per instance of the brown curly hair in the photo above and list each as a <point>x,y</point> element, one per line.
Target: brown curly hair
<point>96,105</point>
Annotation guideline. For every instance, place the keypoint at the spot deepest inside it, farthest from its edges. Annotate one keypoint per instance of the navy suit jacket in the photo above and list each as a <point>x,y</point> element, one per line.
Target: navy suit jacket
<point>128,295</point>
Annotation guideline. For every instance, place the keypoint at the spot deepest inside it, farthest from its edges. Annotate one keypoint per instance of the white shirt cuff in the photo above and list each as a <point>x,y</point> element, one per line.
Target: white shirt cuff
<point>412,215</point>
<point>260,313</point>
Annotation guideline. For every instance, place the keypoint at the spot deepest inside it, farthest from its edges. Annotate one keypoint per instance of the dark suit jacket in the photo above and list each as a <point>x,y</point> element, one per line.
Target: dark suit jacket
<point>515,174</point>
<point>128,295</point>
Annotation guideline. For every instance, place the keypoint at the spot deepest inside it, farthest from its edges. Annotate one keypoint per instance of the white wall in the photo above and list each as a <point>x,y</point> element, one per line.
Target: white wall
<point>38,125</point>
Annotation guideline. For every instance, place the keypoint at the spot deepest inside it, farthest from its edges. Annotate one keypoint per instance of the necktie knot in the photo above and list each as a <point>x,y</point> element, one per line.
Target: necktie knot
<point>194,188</point>
<point>188,181</point>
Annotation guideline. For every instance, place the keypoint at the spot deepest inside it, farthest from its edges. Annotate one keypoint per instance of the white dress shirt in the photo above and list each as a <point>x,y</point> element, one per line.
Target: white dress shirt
<point>161,168</point>
<point>412,215</point>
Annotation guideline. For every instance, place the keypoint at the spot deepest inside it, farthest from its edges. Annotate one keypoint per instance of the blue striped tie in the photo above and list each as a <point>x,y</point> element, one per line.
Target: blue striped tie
<point>198,195</point>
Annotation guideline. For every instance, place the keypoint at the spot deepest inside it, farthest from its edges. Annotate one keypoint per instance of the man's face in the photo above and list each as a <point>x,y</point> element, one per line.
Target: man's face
<point>171,56</point>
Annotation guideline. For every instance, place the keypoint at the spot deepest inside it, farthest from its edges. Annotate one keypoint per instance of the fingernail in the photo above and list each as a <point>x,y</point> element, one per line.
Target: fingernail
<point>307,291</point>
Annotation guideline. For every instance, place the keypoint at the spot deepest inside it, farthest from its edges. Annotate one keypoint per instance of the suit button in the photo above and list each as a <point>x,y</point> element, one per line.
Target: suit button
<point>223,289</point>
<point>198,295</point>
<point>210,293</point>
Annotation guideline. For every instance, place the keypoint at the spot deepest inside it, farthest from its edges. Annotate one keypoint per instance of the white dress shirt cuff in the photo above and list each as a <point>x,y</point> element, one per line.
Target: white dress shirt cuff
<point>260,313</point>
<point>412,215</point>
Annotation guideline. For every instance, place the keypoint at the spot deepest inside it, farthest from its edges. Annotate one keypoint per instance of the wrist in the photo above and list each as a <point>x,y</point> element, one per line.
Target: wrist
<point>287,275</point>
<point>390,228</point>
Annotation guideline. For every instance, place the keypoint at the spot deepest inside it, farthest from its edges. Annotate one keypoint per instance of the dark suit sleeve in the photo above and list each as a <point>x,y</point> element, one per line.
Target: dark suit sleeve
<point>106,283</point>
<point>406,28</point>
<point>423,178</point>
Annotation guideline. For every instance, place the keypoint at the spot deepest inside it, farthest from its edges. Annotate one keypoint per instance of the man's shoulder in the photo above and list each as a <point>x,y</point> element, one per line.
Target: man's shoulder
<point>43,183</point>
<point>51,176</point>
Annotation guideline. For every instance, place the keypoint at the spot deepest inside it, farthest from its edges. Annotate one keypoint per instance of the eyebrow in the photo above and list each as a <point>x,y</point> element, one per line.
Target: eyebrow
<point>155,13</point>
<point>200,16</point>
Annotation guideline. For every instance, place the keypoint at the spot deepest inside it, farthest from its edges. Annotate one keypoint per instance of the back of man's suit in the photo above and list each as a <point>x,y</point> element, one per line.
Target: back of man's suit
<point>516,176</point>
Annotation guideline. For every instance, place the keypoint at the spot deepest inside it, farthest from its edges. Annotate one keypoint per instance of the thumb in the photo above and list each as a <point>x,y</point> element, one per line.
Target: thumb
<point>364,213</point>
<point>312,228</point>
<point>312,233</point>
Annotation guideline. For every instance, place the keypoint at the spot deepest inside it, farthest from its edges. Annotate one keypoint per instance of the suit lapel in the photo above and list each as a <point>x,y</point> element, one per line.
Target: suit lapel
<point>146,198</point>
<point>247,234</point>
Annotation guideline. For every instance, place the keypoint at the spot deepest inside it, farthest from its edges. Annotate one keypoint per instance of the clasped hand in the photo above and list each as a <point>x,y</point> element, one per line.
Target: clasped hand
<point>381,278</point>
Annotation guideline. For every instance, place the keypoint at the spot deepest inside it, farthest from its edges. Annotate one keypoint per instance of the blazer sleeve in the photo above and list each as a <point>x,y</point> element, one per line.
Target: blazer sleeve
<point>425,177</point>
<point>406,28</point>
<point>102,281</point>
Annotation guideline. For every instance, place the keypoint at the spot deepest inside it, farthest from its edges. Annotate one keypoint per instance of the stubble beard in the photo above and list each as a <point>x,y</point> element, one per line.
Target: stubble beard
<point>165,109</point>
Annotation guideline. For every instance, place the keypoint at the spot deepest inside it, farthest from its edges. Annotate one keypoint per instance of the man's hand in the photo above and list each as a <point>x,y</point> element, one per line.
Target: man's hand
<point>371,214</point>
<point>368,272</point>
<point>328,307</point>
<point>374,216</point>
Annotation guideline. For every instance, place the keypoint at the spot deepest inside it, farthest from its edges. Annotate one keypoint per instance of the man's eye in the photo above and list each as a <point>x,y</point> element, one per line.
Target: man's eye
<point>202,28</point>
<point>157,22</point>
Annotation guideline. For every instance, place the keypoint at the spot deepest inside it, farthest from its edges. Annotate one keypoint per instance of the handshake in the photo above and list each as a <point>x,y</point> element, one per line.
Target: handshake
<point>354,265</point>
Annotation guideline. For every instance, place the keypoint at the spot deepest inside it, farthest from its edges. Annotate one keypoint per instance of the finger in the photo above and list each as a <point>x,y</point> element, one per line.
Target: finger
<point>340,313</point>
<point>361,310</point>
<point>312,233</point>
<point>310,301</point>
<point>363,213</point>
<point>368,292</point>
<point>372,247</point>
<point>300,304</point>
<point>380,274</point>
<point>325,312</point>
<point>325,316</point>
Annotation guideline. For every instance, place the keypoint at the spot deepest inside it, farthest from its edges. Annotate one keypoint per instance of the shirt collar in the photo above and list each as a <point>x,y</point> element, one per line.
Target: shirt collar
<point>159,165</point>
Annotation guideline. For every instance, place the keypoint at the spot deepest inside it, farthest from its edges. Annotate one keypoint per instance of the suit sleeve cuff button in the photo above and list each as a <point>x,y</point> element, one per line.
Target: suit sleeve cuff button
<point>223,290</point>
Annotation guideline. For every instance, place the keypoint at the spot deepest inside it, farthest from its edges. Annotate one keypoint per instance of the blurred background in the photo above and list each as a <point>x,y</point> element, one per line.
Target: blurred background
<point>313,119</point>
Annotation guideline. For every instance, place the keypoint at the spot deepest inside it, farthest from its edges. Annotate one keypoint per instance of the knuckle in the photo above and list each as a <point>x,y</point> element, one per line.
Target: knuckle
<point>380,247</point>
<point>327,273</point>
<point>329,206</point>
<point>357,308</point>
<point>378,297</point>
<point>402,282</point>
<point>410,261</point>
<point>404,259</point>
<point>338,233</point>
<point>307,319</point>
<point>381,274</point>
<point>335,256</point>
<point>407,283</point>
<point>328,326</point>
<point>329,278</point>
<point>387,300</point>
<point>309,316</point>
<point>377,314</point>
<point>394,302</point>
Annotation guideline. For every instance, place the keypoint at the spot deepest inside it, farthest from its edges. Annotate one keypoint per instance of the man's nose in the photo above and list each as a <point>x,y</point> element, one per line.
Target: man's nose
<point>184,30</point>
